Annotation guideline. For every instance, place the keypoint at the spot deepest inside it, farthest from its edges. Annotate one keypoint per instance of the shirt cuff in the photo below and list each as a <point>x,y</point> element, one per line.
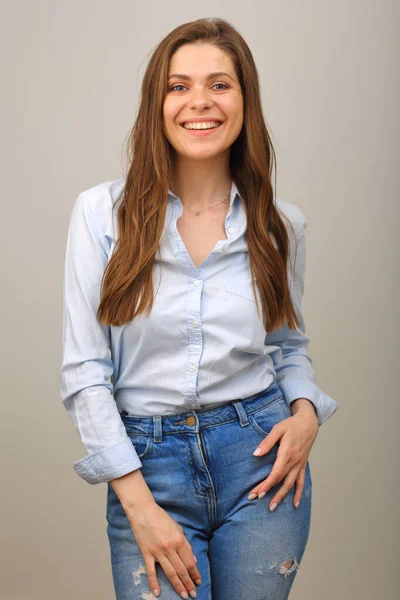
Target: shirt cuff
<point>107,464</point>
<point>324,405</point>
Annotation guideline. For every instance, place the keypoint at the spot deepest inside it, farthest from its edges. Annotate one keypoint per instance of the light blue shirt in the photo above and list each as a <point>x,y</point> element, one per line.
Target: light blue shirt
<point>203,344</point>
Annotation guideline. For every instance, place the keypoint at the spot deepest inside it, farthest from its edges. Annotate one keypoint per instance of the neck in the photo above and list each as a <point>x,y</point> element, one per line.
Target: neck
<point>201,184</point>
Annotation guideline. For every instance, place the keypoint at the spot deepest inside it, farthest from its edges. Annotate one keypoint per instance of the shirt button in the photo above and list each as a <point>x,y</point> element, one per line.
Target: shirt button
<point>231,229</point>
<point>195,323</point>
<point>192,368</point>
<point>197,282</point>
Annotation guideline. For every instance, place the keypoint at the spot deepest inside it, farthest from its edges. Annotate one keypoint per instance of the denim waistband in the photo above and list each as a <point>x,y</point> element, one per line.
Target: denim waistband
<point>192,421</point>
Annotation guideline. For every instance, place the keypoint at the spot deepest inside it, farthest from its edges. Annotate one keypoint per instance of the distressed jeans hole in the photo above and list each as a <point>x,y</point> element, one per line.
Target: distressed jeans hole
<point>288,567</point>
<point>138,573</point>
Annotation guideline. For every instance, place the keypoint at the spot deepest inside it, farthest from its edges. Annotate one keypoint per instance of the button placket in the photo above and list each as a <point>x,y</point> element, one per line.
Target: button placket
<point>195,345</point>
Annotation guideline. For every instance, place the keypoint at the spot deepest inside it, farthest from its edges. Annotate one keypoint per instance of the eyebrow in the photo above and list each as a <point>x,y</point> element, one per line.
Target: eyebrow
<point>210,76</point>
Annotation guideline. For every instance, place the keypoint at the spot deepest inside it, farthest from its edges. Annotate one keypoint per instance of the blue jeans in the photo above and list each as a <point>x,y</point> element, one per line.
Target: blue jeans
<point>200,468</point>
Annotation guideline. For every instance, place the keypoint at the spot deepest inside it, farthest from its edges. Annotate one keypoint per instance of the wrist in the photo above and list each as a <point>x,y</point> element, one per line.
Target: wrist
<point>303,406</point>
<point>132,491</point>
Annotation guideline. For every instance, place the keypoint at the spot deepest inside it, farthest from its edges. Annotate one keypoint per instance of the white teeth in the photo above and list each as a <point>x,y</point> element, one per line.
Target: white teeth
<point>209,125</point>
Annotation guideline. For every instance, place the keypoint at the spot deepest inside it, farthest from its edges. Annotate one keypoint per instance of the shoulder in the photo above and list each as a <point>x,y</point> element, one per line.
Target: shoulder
<point>294,214</point>
<point>97,203</point>
<point>99,199</point>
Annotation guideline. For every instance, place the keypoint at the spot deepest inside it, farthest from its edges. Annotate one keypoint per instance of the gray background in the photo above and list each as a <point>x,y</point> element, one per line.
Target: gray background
<point>71,73</point>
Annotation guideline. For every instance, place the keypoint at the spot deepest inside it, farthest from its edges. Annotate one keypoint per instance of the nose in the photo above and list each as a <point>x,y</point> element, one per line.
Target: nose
<point>200,99</point>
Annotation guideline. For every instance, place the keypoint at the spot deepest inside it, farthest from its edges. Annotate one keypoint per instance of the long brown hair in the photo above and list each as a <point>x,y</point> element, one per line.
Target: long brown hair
<point>127,284</point>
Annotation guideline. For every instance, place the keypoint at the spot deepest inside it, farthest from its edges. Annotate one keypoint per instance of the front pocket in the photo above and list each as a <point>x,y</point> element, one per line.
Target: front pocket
<point>141,440</point>
<point>263,420</point>
<point>143,444</point>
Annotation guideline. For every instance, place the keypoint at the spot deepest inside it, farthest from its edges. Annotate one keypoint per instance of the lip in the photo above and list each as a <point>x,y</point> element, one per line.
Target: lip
<point>201,120</point>
<point>201,132</point>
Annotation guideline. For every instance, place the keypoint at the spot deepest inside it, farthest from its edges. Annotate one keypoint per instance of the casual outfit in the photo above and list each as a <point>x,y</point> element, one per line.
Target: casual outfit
<point>186,394</point>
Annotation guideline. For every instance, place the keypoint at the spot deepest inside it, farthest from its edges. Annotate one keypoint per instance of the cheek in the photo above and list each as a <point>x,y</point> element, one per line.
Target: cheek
<point>168,111</point>
<point>170,116</point>
<point>166,117</point>
<point>236,124</point>
<point>239,114</point>
<point>234,113</point>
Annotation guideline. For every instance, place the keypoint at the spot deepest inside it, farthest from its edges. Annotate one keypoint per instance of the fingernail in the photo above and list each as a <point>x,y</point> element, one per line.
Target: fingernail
<point>252,496</point>
<point>193,594</point>
<point>273,506</point>
<point>156,592</point>
<point>297,504</point>
<point>198,581</point>
<point>195,559</point>
<point>184,595</point>
<point>262,494</point>
<point>257,452</point>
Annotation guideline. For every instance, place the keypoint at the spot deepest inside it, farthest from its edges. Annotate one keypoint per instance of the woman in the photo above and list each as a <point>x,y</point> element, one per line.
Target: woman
<point>172,392</point>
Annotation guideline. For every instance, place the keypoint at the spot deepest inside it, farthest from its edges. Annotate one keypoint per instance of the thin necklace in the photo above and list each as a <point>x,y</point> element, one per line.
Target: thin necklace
<point>226,199</point>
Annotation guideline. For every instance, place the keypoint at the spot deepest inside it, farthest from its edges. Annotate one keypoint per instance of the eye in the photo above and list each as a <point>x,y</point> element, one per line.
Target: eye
<point>172,88</point>
<point>175,86</point>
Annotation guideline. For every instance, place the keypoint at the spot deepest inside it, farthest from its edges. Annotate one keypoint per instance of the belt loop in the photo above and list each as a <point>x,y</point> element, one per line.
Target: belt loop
<point>241,412</point>
<point>157,428</point>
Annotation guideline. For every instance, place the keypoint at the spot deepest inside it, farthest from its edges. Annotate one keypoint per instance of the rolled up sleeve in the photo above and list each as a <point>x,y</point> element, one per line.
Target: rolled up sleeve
<point>85,381</point>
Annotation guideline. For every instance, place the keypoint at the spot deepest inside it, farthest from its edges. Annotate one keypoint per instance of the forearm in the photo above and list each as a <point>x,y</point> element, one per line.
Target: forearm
<point>132,491</point>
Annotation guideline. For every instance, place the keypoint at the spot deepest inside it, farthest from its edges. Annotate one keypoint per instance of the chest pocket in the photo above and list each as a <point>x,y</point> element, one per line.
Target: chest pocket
<point>238,280</point>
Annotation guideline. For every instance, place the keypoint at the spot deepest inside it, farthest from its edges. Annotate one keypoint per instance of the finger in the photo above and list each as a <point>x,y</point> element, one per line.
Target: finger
<point>151,573</point>
<point>189,560</point>
<point>284,489</point>
<point>182,571</point>
<point>268,442</point>
<point>299,486</point>
<point>280,468</point>
<point>171,573</point>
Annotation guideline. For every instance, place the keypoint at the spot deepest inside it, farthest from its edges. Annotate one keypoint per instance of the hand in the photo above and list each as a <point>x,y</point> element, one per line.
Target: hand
<point>297,434</point>
<point>161,539</point>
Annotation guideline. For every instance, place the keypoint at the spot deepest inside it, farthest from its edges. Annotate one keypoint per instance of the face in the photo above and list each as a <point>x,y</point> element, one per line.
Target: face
<point>196,92</point>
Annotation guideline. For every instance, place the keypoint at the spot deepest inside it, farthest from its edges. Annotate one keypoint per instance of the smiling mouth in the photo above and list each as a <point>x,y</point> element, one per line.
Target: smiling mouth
<point>215,125</point>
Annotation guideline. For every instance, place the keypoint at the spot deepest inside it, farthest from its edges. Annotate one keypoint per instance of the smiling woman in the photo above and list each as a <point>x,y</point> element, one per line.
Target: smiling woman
<point>171,392</point>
